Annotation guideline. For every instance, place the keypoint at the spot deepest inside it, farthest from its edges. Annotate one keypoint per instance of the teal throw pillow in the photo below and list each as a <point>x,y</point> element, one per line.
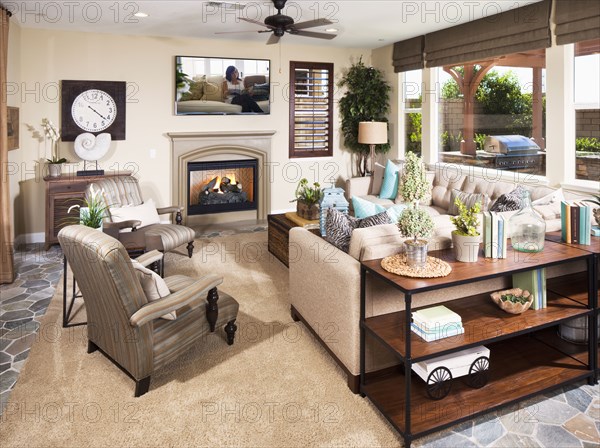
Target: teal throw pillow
<point>389,186</point>
<point>363,208</point>
<point>395,211</point>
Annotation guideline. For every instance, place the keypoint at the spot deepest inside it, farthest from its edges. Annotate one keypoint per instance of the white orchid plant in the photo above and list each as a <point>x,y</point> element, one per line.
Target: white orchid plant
<point>52,133</point>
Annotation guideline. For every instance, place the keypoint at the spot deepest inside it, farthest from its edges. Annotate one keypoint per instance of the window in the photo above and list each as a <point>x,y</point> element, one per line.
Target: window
<point>500,96</point>
<point>311,109</point>
<point>587,110</point>
<point>411,95</point>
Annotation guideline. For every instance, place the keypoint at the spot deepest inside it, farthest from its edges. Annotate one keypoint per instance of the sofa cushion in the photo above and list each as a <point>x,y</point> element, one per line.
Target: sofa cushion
<point>146,213</point>
<point>386,203</point>
<point>212,92</point>
<point>554,197</point>
<point>443,185</point>
<point>377,179</point>
<point>371,236</point>
<point>509,201</point>
<point>468,199</point>
<point>389,186</point>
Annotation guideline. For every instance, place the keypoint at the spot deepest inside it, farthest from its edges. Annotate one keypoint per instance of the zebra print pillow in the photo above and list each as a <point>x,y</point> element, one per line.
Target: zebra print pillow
<point>509,202</point>
<point>338,228</point>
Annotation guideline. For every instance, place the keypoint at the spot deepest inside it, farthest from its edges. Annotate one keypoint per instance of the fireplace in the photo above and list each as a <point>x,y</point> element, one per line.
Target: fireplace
<point>189,148</point>
<point>222,186</point>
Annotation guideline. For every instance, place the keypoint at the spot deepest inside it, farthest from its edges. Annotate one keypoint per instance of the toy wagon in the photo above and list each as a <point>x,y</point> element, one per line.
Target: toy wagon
<point>439,372</point>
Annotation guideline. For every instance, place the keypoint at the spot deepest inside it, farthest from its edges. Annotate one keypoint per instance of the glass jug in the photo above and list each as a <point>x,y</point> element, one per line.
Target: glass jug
<point>527,227</point>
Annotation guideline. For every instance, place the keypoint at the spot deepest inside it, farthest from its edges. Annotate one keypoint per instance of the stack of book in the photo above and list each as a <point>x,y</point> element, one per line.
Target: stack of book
<point>436,323</point>
<point>576,222</point>
<point>495,233</point>
<point>533,281</point>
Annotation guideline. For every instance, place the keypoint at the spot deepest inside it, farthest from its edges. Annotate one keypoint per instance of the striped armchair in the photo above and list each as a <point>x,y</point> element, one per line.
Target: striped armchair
<point>125,191</point>
<point>123,323</point>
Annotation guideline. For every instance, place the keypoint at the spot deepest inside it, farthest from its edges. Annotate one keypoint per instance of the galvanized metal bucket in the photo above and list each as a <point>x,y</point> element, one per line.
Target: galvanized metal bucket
<point>416,253</point>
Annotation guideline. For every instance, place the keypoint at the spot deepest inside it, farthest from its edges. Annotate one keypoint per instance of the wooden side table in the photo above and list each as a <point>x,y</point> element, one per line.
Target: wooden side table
<point>61,193</point>
<point>279,236</point>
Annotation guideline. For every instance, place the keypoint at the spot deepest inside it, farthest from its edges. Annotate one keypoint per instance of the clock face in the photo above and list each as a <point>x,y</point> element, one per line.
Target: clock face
<point>94,110</point>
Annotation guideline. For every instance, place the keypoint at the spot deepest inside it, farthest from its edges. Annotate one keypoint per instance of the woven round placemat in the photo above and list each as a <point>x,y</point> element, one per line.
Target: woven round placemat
<point>396,264</point>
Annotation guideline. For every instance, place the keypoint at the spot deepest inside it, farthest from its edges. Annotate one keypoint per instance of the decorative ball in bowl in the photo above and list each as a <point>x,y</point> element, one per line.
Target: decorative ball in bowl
<point>513,301</point>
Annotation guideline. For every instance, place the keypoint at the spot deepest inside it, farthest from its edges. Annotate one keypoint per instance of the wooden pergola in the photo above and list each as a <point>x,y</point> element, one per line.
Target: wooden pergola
<point>469,81</point>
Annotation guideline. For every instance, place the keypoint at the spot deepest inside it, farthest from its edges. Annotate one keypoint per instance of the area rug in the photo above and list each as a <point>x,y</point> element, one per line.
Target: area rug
<point>275,387</point>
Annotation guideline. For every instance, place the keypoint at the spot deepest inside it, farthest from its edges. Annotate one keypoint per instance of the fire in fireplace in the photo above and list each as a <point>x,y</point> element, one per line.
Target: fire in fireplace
<point>224,186</point>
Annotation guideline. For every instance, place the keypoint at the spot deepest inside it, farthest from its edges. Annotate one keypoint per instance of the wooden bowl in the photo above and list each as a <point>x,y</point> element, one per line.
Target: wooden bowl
<point>510,307</point>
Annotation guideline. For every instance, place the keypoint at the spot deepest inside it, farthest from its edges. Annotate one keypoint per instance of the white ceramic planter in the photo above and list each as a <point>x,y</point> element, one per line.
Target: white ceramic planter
<point>466,248</point>
<point>54,169</point>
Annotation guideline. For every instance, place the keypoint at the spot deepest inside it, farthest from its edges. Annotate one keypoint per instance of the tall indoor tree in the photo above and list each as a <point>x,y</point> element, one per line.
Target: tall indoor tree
<point>366,99</point>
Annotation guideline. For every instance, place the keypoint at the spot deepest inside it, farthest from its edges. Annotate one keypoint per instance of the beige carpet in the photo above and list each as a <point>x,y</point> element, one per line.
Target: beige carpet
<point>275,387</point>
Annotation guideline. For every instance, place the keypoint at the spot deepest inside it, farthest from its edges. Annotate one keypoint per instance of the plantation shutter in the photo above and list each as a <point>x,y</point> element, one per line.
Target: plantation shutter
<point>311,109</point>
<point>577,20</point>
<point>520,29</point>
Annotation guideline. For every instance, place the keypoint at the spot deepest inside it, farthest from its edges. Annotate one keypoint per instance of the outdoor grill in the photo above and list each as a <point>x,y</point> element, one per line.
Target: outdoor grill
<point>510,145</point>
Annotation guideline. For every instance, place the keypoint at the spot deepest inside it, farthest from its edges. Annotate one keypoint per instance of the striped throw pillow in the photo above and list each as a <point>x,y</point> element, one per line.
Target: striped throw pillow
<point>469,199</point>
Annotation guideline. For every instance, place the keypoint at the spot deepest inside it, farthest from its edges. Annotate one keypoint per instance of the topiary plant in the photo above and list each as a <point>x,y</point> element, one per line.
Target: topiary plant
<point>366,99</point>
<point>415,223</point>
<point>413,185</point>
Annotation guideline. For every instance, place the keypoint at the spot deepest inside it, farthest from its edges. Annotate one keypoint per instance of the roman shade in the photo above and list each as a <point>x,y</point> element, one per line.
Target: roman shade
<point>521,29</point>
<point>408,54</point>
<point>577,20</point>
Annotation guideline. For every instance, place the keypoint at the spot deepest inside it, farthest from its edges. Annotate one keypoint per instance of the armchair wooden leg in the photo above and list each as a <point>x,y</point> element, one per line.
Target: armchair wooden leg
<point>142,386</point>
<point>190,249</point>
<point>91,347</point>
<point>230,329</point>
<point>212,310</point>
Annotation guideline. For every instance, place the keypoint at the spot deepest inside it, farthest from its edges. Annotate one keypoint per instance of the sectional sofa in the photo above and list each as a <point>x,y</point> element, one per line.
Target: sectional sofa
<point>325,281</point>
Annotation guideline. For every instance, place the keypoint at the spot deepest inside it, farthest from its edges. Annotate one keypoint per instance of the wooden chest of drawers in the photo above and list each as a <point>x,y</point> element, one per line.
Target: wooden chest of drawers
<point>61,193</point>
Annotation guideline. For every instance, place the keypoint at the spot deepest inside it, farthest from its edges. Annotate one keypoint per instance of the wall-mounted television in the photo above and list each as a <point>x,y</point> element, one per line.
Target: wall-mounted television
<point>201,88</point>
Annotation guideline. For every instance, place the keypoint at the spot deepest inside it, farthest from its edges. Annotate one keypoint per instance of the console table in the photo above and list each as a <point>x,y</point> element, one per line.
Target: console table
<point>526,355</point>
<point>594,249</point>
<point>61,193</point>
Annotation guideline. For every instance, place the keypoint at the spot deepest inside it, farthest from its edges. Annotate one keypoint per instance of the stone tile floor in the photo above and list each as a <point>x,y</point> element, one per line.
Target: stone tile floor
<point>567,417</point>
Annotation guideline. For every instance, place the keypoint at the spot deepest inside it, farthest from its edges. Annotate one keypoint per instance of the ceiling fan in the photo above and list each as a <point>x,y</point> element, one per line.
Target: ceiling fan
<point>279,24</point>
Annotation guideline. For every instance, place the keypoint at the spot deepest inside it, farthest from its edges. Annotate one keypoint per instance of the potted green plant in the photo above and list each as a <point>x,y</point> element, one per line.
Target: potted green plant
<point>466,237</point>
<point>595,201</point>
<point>308,199</point>
<point>414,222</point>
<point>92,210</point>
<point>366,99</point>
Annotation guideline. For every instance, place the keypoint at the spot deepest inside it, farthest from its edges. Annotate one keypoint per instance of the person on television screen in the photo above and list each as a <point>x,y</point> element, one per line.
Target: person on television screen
<point>234,91</point>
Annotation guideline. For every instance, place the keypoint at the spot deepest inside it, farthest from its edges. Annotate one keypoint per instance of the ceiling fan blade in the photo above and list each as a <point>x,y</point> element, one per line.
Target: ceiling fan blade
<point>273,39</point>
<point>312,23</point>
<point>312,34</point>
<point>256,22</point>
<point>238,32</point>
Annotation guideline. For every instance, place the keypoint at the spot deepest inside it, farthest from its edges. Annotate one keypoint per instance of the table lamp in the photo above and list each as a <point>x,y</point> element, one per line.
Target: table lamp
<point>372,133</point>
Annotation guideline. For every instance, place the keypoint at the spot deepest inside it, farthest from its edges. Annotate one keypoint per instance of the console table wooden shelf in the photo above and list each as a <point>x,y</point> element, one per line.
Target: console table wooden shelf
<point>61,193</point>
<point>526,356</point>
<point>579,286</point>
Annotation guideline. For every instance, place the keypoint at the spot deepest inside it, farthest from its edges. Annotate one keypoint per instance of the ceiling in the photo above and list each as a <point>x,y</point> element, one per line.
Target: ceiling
<point>360,24</point>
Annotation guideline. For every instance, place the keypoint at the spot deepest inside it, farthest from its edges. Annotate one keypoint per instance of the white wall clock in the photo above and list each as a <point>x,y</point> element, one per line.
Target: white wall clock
<point>94,110</point>
<point>94,107</point>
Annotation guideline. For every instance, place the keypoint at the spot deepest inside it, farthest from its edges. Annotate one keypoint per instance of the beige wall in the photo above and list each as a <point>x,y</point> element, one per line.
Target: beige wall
<point>46,57</point>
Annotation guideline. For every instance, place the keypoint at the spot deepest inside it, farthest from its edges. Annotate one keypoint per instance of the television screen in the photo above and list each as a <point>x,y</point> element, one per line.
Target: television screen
<point>221,86</point>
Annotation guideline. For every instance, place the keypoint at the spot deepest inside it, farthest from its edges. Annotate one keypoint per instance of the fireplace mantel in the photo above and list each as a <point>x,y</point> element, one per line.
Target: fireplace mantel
<point>211,145</point>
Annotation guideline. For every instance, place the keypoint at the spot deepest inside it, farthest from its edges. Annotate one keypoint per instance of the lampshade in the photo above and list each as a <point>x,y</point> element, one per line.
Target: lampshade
<point>372,132</point>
